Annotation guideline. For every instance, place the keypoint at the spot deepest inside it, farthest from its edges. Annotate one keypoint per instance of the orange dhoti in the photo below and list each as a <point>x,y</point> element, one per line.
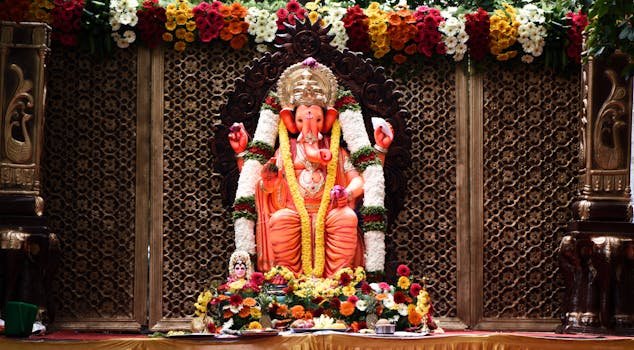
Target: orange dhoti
<point>340,239</point>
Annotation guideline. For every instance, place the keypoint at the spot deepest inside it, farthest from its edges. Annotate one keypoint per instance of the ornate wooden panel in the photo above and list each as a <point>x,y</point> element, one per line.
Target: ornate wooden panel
<point>197,229</point>
<point>89,173</point>
<point>530,157</point>
<point>424,234</point>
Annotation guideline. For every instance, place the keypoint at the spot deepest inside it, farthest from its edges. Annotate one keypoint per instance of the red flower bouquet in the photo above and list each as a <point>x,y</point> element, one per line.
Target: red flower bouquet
<point>209,20</point>
<point>151,25</point>
<point>428,37</point>
<point>356,24</point>
<point>477,26</point>
<point>66,21</point>
<point>292,12</point>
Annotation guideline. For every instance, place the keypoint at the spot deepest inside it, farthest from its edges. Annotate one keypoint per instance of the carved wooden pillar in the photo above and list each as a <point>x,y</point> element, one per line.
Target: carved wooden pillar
<point>597,253</point>
<point>23,230</point>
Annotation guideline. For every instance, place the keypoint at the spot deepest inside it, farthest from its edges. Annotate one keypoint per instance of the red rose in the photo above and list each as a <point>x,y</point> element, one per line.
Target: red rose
<point>403,270</point>
<point>414,289</point>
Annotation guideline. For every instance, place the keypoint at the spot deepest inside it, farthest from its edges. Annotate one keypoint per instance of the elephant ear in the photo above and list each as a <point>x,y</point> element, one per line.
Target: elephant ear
<point>287,117</point>
<point>331,116</point>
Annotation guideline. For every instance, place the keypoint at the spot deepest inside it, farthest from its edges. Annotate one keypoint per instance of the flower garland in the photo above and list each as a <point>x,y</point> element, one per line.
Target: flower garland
<point>262,26</point>
<point>300,205</point>
<point>151,23</point>
<point>65,19</point>
<point>291,13</point>
<point>123,18</point>
<point>356,24</point>
<point>377,30</point>
<point>454,35</point>
<point>371,168</point>
<point>532,32</point>
<point>428,37</point>
<point>179,25</point>
<point>331,15</point>
<point>208,20</point>
<point>578,22</point>
<point>503,32</point>
<point>235,28</point>
<point>402,30</point>
<point>477,26</point>
<point>40,10</point>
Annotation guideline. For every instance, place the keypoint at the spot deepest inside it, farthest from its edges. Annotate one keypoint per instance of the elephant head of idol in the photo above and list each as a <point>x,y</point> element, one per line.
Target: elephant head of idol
<point>307,92</point>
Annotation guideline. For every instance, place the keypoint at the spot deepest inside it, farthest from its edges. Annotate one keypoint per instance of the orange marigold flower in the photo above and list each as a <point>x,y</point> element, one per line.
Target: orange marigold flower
<point>225,34</point>
<point>238,41</point>
<point>400,59</point>
<point>245,312</point>
<point>297,311</point>
<point>404,12</point>
<point>346,308</point>
<point>282,310</point>
<point>394,19</point>
<point>180,46</point>
<point>397,45</point>
<point>250,302</point>
<point>237,10</point>
<point>414,318</point>
<point>410,49</point>
<point>235,27</point>
<point>227,314</point>
<point>225,11</point>
<point>380,297</point>
<point>168,37</point>
<point>308,315</point>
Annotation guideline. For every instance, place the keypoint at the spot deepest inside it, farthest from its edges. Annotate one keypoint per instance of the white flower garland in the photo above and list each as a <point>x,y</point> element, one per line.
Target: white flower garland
<point>123,13</point>
<point>262,26</point>
<point>356,137</point>
<point>266,132</point>
<point>334,18</point>
<point>532,31</point>
<point>454,34</point>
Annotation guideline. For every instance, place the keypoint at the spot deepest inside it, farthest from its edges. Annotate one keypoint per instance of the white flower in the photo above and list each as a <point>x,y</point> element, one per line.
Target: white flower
<point>129,36</point>
<point>463,36</point>
<point>235,309</point>
<point>123,43</point>
<point>402,309</point>
<point>228,324</point>
<point>527,59</point>
<point>375,287</point>
<point>389,302</point>
<point>361,305</point>
<point>262,48</point>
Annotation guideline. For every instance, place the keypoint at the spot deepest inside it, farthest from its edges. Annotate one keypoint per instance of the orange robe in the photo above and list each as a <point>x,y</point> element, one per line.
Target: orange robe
<point>278,230</point>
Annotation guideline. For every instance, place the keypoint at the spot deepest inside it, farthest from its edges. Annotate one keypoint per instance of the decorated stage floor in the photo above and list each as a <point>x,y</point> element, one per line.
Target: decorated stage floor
<point>453,340</point>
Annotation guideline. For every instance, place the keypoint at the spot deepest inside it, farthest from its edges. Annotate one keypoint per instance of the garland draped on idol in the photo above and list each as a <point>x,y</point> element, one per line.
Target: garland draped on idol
<point>548,32</point>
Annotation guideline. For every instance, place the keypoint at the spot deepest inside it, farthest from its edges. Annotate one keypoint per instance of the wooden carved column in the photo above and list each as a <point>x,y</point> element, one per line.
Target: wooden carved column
<point>597,253</point>
<point>26,247</point>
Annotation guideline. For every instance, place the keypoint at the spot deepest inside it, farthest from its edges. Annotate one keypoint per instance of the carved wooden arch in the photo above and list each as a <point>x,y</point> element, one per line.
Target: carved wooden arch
<point>375,93</point>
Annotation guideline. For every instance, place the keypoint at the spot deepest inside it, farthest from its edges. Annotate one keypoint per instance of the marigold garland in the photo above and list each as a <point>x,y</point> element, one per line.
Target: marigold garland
<point>503,32</point>
<point>300,205</point>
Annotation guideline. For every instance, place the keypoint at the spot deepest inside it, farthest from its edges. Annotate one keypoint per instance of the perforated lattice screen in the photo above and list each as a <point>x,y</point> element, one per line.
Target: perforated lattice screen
<point>530,159</point>
<point>424,236</point>
<point>89,181</point>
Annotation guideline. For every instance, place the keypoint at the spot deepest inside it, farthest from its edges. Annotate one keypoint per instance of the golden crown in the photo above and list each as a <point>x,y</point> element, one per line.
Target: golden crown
<point>307,83</point>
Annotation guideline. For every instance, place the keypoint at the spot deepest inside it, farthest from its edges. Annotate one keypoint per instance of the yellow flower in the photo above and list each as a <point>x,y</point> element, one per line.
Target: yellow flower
<point>180,33</point>
<point>170,25</point>
<point>374,6</point>
<point>255,312</point>
<point>348,290</point>
<point>191,26</point>
<point>168,37</point>
<point>170,7</point>
<point>181,19</point>
<point>313,17</point>
<point>239,283</point>
<point>189,37</point>
<point>403,282</point>
<point>255,325</point>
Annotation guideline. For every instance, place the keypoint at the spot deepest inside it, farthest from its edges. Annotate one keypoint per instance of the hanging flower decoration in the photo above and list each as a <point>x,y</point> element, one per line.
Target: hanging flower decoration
<point>235,27</point>
<point>208,20</point>
<point>428,36</point>
<point>377,30</point>
<point>332,16</point>
<point>40,10</point>
<point>356,24</point>
<point>262,26</point>
<point>578,23</point>
<point>454,34</point>
<point>477,28</point>
<point>532,32</point>
<point>179,25</point>
<point>503,32</point>
<point>123,19</point>
<point>151,25</point>
<point>402,31</point>
<point>291,13</point>
<point>16,10</point>
<point>66,21</point>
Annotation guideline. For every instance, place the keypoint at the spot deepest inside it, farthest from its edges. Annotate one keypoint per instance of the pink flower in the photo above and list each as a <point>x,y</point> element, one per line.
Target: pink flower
<point>414,289</point>
<point>353,299</point>
<point>403,270</point>
<point>257,278</point>
<point>384,286</point>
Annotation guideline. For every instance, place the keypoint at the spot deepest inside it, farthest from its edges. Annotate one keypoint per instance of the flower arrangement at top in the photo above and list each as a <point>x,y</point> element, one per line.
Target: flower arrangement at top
<point>428,37</point>
<point>235,28</point>
<point>208,20</point>
<point>454,34</point>
<point>578,22</point>
<point>151,24</point>
<point>331,15</point>
<point>262,26</point>
<point>356,23</point>
<point>377,30</point>
<point>123,18</point>
<point>532,32</point>
<point>65,19</point>
<point>40,10</point>
<point>402,31</point>
<point>503,32</point>
<point>180,26</point>
<point>292,12</point>
<point>477,27</point>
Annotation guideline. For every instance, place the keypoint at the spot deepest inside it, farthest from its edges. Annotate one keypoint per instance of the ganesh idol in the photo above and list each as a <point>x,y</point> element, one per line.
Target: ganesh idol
<point>297,205</point>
